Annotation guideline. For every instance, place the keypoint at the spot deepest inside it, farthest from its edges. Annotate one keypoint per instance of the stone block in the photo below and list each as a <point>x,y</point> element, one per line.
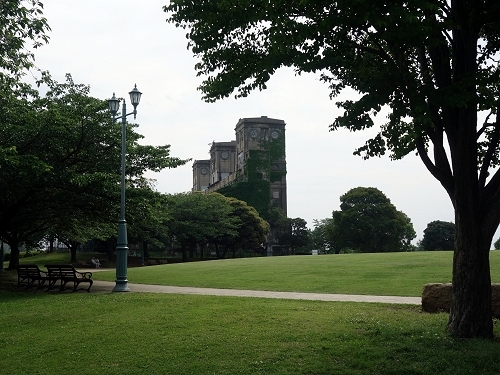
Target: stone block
<point>437,298</point>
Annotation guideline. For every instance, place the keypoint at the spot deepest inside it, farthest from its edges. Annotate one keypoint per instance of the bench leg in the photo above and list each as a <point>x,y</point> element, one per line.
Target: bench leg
<point>78,283</point>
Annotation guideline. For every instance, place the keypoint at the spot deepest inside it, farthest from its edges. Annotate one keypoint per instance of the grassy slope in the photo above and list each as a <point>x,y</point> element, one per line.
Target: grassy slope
<point>401,274</point>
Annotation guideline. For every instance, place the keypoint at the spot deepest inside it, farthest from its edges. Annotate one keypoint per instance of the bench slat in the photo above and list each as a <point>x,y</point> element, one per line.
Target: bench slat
<point>28,274</point>
<point>66,273</point>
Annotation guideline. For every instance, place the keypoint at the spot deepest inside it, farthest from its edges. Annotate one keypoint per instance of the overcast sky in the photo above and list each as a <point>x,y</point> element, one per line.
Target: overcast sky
<point>113,44</point>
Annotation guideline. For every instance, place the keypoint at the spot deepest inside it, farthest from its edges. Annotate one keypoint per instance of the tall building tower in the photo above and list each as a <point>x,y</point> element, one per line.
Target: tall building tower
<point>252,168</point>
<point>260,149</point>
<point>222,160</point>
<point>201,175</point>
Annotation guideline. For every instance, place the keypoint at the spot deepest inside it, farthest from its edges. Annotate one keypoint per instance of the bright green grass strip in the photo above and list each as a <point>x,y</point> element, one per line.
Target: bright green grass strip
<point>134,333</point>
<point>402,274</point>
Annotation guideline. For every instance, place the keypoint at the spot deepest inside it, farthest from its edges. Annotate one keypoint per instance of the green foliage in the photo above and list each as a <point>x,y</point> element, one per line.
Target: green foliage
<point>60,162</point>
<point>439,235</point>
<point>147,217</point>
<point>292,234</point>
<point>256,193</point>
<point>261,169</point>
<point>322,236</point>
<point>21,21</point>
<point>497,244</point>
<point>252,229</point>
<point>195,219</point>
<point>369,222</point>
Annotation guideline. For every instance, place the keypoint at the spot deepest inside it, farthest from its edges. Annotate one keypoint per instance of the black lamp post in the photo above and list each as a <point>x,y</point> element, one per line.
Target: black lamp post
<point>122,242</point>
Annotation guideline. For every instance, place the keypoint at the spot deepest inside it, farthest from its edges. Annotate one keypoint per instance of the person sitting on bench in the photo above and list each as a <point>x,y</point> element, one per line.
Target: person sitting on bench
<point>96,262</point>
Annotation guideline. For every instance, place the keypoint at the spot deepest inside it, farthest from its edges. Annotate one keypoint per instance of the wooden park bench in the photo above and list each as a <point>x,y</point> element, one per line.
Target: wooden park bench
<point>66,273</point>
<point>28,274</point>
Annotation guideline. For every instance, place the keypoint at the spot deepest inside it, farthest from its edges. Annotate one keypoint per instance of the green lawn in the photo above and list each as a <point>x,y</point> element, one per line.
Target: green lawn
<point>402,274</point>
<point>134,333</point>
<point>139,333</point>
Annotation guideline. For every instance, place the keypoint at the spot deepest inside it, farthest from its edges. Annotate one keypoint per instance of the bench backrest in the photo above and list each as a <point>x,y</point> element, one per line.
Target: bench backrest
<point>28,270</point>
<point>61,270</point>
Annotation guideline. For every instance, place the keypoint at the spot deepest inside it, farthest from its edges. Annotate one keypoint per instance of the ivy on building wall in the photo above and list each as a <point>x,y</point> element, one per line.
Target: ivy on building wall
<point>276,155</point>
<point>262,167</point>
<point>256,193</point>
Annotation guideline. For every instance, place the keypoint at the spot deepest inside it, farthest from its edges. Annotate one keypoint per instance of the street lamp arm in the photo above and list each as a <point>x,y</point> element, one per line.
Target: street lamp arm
<point>128,114</point>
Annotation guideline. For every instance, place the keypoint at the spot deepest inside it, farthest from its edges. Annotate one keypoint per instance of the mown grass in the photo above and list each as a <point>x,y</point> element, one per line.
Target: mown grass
<point>139,333</point>
<point>402,274</point>
<point>134,333</point>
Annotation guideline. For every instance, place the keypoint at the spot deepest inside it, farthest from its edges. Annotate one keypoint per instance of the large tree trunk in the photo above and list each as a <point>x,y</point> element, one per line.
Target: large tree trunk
<point>470,312</point>
<point>14,254</point>
<point>73,246</point>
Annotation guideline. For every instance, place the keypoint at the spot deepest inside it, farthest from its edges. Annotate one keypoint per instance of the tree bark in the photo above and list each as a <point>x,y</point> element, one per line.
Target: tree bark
<point>470,312</point>
<point>73,246</point>
<point>14,254</point>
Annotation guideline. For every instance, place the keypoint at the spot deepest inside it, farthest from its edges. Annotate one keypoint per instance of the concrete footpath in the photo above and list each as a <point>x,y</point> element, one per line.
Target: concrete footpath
<point>107,286</point>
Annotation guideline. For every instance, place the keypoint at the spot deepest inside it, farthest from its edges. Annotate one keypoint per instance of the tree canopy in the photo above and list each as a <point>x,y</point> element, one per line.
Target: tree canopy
<point>197,219</point>
<point>431,63</point>
<point>368,222</point>
<point>439,235</point>
<point>60,164</point>
<point>292,234</point>
<point>322,236</point>
<point>21,22</point>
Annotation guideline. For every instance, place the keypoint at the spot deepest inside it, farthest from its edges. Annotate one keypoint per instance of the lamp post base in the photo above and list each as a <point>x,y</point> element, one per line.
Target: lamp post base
<point>121,259</point>
<point>121,286</point>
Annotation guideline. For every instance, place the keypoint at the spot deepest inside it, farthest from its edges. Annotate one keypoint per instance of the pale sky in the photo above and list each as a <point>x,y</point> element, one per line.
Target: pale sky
<point>113,44</point>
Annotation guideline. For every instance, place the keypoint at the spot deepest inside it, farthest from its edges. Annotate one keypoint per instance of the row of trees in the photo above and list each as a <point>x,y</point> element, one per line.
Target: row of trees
<point>439,235</point>
<point>368,222</point>
<point>195,220</point>
<point>59,148</point>
<point>60,165</point>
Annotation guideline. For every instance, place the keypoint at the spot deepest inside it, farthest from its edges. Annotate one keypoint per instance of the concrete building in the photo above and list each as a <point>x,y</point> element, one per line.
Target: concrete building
<point>257,154</point>
<point>260,137</point>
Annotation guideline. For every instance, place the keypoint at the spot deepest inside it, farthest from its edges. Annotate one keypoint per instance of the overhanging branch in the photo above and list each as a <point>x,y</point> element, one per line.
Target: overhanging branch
<point>446,179</point>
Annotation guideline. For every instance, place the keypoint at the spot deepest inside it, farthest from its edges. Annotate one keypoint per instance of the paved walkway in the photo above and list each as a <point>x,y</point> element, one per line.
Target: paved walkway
<point>107,286</point>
